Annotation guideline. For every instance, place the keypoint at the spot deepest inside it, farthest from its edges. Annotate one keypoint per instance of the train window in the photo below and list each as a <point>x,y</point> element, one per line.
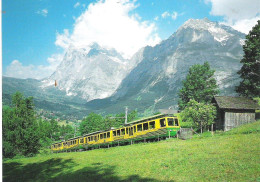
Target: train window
<point>82,140</point>
<point>123,131</point>
<point>117,132</point>
<point>139,127</point>
<point>92,138</point>
<point>108,134</point>
<point>145,125</point>
<point>176,122</point>
<point>101,136</point>
<point>152,125</point>
<point>127,130</point>
<point>170,121</point>
<point>162,122</point>
<point>105,135</point>
<point>114,133</point>
<point>135,128</point>
<point>131,131</point>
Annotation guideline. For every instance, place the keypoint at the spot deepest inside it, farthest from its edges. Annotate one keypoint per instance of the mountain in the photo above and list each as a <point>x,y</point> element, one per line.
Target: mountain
<point>99,79</point>
<point>51,100</point>
<point>90,73</point>
<point>156,80</point>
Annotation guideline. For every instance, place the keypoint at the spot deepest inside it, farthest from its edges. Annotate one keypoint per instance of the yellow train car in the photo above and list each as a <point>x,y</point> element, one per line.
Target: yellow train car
<point>155,127</point>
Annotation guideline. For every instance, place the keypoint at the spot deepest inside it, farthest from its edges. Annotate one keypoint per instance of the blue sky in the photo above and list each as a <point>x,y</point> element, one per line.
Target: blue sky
<point>36,33</point>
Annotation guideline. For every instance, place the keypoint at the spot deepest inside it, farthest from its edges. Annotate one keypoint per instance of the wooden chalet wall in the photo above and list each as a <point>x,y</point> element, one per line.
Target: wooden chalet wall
<point>233,111</point>
<point>235,118</point>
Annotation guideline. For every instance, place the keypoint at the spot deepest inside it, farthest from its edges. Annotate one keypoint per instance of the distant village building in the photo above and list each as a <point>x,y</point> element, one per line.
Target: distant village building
<point>234,111</point>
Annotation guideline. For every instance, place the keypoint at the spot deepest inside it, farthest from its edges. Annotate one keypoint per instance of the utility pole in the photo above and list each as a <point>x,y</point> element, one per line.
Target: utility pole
<point>75,129</point>
<point>126,109</point>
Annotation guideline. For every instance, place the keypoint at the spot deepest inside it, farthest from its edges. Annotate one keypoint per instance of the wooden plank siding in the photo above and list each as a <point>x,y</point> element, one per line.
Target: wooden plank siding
<point>235,119</point>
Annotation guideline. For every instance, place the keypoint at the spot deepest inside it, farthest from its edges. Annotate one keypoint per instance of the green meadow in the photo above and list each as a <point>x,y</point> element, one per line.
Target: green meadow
<point>229,156</point>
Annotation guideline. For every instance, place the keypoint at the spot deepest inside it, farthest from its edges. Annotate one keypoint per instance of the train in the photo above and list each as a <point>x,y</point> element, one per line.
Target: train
<point>151,128</point>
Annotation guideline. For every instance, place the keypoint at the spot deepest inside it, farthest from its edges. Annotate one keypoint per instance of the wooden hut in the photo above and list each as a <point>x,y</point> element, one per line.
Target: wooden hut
<point>234,111</point>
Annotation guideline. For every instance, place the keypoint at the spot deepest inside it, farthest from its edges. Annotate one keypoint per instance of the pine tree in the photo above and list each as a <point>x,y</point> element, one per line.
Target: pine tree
<point>250,71</point>
<point>200,85</point>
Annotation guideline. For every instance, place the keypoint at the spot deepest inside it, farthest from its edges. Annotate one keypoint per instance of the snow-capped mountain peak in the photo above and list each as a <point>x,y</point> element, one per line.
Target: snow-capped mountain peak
<point>204,29</point>
<point>93,72</point>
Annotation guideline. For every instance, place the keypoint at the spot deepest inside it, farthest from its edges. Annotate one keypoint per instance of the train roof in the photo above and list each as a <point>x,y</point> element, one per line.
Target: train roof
<point>150,118</point>
<point>96,132</point>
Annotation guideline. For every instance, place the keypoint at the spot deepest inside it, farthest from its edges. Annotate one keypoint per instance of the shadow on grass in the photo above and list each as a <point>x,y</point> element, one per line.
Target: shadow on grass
<point>62,170</point>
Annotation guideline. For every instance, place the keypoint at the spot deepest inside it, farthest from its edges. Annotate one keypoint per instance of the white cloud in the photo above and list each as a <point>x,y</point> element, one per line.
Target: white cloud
<point>17,70</point>
<point>245,25</point>
<point>165,14</point>
<point>111,24</point>
<point>240,14</point>
<point>63,39</point>
<point>76,5</point>
<point>174,15</point>
<point>156,18</point>
<point>43,12</point>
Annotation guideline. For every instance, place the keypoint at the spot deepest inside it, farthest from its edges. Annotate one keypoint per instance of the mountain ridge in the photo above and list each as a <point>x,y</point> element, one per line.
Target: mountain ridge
<point>152,77</point>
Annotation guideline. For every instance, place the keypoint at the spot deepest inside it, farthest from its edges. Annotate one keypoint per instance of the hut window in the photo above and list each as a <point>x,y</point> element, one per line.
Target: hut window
<point>176,122</point>
<point>162,122</point>
<point>114,133</point>
<point>117,132</point>
<point>139,127</point>
<point>123,131</point>
<point>108,134</point>
<point>145,126</point>
<point>152,125</point>
<point>170,121</point>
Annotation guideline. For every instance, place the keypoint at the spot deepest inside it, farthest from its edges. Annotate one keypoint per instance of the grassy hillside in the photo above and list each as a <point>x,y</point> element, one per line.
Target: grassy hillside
<point>230,156</point>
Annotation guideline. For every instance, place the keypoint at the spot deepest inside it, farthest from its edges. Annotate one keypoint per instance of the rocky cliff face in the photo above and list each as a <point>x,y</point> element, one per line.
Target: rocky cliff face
<point>158,76</point>
<point>153,76</point>
<point>91,73</point>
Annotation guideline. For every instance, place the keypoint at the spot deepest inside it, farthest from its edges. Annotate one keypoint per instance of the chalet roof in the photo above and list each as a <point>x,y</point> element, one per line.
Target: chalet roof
<point>229,102</point>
